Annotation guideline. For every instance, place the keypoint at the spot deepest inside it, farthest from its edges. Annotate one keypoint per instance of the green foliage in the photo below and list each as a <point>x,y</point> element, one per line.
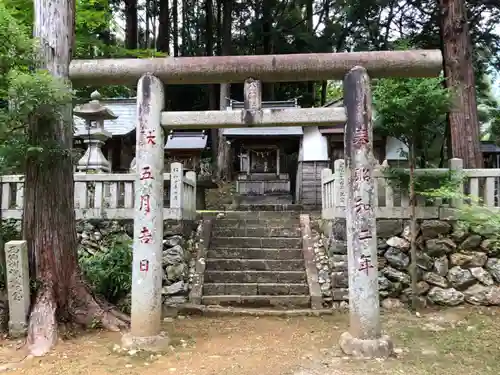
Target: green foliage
<point>472,215</point>
<point>424,180</point>
<point>16,49</point>
<point>109,272</point>
<point>30,96</point>
<point>411,110</point>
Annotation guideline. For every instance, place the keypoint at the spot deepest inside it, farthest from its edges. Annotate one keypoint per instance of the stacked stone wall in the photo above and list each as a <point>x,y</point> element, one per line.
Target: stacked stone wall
<point>455,265</point>
<point>94,236</point>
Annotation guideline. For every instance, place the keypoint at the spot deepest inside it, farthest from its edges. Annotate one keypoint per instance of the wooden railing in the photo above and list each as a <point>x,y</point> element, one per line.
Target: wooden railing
<point>395,204</point>
<point>110,196</point>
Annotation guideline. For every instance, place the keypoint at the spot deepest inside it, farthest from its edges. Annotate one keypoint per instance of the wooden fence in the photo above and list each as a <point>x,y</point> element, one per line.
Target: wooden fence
<point>110,196</point>
<point>392,204</point>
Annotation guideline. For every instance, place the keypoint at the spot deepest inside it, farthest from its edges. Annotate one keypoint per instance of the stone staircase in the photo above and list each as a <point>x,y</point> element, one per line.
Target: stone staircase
<point>255,260</point>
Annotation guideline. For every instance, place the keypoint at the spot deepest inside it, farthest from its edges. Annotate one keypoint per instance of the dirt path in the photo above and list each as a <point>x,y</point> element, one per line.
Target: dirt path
<point>460,340</point>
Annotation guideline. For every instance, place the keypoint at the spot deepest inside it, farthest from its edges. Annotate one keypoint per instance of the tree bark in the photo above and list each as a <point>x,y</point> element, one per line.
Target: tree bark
<point>147,31</point>
<point>175,27</point>
<point>163,43</point>
<point>309,14</point>
<point>131,28</point>
<point>224,149</point>
<point>185,28</point>
<point>209,51</point>
<point>267,41</point>
<point>459,73</point>
<point>328,47</point>
<point>49,217</point>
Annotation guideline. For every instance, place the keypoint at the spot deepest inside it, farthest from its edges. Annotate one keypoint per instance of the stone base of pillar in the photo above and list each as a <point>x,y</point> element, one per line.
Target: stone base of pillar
<point>17,329</point>
<point>155,344</point>
<point>366,348</point>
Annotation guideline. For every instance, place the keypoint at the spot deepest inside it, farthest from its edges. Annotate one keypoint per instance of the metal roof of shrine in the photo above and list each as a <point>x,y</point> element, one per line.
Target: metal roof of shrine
<point>337,128</point>
<point>489,147</point>
<point>186,140</point>
<point>124,109</point>
<point>272,131</point>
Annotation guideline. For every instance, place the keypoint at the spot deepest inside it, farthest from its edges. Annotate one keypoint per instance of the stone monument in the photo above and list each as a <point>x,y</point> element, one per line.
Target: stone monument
<point>364,338</point>
<point>18,286</point>
<point>147,272</point>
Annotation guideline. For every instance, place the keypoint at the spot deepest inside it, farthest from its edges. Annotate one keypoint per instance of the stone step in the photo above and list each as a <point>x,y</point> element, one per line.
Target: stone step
<point>250,289</point>
<point>254,265</point>
<point>265,277</point>
<point>255,253</point>
<point>256,231</point>
<point>244,215</point>
<point>277,302</point>
<point>271,207</point>
<point>283,223</point>
<point>260,202</point>
<point>263,242</point>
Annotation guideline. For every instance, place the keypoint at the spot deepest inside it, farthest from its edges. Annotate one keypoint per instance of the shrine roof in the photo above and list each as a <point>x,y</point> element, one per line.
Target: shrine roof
<point>271,131</point>
<point>194,140</point>
<point>337,128</point>
<point>125,109</point>
<point>489,147</point>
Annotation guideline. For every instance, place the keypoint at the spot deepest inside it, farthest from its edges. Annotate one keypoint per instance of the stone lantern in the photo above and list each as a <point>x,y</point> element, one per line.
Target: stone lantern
<point>94,114</point>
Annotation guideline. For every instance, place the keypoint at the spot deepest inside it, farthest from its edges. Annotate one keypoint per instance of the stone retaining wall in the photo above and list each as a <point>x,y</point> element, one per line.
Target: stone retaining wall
<point>178,253</point>
<point>455,265</point>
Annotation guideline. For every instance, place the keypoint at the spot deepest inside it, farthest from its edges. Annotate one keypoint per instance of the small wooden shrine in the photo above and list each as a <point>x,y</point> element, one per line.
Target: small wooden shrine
<point>266,158</point>
<point>185,147</point>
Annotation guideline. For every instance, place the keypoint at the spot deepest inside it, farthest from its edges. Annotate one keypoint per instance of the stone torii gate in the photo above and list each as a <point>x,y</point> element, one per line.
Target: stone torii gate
<point>364,338</point>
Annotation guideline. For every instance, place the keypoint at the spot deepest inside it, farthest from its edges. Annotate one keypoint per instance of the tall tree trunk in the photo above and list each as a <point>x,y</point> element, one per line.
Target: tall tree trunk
<point>219,27</point>
<point>175,26</point>
<point>459,73</point>
<point>185,28</point>
<point>209,51</point>
<point>49,217</point>
<point>267,44</point>
<point>224,149</point>
<point>154,15</point>
<point>309,13</point>
<point>163,43</point>
<point>131,27</point>
<point>147,31</point>
<point>328,48</point>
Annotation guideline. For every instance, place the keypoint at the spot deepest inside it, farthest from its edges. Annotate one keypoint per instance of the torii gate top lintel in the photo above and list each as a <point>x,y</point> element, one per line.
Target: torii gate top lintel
<point>266,68</point>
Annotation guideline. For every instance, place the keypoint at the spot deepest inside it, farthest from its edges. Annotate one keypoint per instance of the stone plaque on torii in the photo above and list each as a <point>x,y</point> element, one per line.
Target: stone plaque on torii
<point>364,338</point>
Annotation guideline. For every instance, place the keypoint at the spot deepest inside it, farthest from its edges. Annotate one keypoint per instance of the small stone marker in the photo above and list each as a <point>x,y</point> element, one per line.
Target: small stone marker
<point>18,286</point>
<point>339,170</point>
<point>147,269</point>
<point>364,338</point>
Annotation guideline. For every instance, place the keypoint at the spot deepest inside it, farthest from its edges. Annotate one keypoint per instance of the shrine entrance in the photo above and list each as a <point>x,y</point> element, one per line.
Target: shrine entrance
<point>150,74</point>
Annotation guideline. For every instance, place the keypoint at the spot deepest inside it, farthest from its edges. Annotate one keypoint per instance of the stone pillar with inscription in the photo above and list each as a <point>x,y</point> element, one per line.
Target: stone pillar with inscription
<point>147,269</point>
<point>176,193</point>
<point>364,338</point>
<point>252,93</point>
<point>339,184</point>
<point>18,286</point>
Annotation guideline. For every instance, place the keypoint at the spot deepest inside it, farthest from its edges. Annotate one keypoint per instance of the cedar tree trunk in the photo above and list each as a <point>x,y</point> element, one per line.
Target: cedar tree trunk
<point>49,216</point>
<point>223,148</point>
<point>459,73</point>
<point>131,28</point>
<point>163,42</point>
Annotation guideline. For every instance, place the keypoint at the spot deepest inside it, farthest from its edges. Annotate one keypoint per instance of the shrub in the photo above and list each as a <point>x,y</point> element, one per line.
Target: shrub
<point>109,272</point>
